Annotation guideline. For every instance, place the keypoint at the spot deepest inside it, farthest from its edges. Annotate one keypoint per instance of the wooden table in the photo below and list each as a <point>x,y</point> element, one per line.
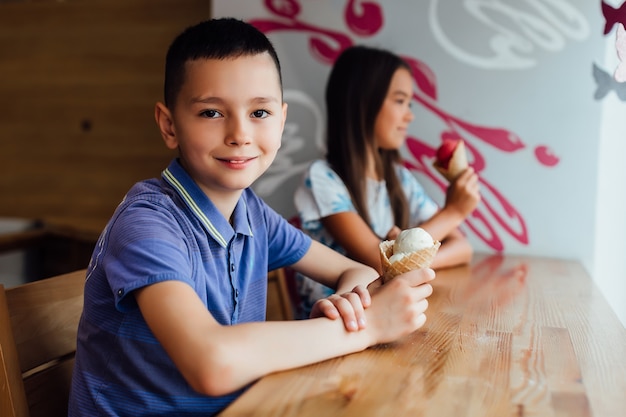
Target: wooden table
<point>506,336</point>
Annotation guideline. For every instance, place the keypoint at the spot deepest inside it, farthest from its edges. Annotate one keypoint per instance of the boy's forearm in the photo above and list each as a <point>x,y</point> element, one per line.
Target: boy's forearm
<point>218,359</point>
<point>261,348</point>
<point>257,349</point>
<point>335,270</point>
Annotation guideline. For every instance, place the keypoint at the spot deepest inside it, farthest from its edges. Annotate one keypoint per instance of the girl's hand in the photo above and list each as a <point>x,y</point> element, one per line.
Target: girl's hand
<point>350,306</point>
<point>463,194</point>
<point>393,233</point>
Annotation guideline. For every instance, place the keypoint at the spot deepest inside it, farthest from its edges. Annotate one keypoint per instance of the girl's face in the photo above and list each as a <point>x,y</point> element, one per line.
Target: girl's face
<point>392,121</point>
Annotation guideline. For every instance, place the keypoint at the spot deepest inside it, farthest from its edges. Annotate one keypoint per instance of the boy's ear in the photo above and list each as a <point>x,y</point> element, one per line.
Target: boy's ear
<point>164,120</point>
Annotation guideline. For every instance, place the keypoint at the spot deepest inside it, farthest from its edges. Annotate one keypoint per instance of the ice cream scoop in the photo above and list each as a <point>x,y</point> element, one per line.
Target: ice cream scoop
<point>410,240</point>
<point>415,249</point>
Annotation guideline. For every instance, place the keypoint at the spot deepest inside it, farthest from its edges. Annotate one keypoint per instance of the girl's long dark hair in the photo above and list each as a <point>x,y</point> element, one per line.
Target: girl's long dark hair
<point>355,92</point>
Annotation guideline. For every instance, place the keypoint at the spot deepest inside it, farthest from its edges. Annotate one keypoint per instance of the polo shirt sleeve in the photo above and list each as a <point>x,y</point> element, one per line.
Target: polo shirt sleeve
<point>286,243</point>
<point>145,247</point>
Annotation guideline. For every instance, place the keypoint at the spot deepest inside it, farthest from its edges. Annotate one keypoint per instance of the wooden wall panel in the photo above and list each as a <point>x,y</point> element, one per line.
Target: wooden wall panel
<point>78,83</point>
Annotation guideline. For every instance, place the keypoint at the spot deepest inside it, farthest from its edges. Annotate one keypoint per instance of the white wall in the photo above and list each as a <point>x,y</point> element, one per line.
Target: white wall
<point>522,72</point>
<point>609,262</point>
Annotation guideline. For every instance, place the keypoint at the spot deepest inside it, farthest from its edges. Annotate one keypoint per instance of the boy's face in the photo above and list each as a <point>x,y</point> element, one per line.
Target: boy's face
<point>227,122</point>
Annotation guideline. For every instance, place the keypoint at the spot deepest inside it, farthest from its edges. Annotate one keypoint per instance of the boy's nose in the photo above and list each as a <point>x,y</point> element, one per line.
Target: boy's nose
<point>237,134</point>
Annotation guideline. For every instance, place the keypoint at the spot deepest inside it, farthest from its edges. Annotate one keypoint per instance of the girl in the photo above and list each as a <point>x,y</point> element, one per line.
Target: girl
<point>360,193</point>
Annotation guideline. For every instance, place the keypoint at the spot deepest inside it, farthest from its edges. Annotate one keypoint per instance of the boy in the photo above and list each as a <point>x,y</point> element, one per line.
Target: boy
<point>173,322</point>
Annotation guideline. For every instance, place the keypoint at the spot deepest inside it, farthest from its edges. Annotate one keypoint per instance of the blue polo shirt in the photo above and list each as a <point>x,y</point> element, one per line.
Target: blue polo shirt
<point>167,229</point>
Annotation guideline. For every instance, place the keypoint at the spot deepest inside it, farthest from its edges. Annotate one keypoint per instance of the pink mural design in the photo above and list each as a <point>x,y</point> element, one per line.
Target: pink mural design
<point>545,156</point>
<point>365,18</point>
<point>613,16</point>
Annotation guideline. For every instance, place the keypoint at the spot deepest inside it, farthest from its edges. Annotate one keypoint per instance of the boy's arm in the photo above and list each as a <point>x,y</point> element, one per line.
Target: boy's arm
<point>350,280</point>
<point>333,269</point>
<point>216,359</point>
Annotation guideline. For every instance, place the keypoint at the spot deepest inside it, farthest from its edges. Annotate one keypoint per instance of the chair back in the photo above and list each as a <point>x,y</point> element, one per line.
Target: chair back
<point>278,300</point>
<point>38,327</point>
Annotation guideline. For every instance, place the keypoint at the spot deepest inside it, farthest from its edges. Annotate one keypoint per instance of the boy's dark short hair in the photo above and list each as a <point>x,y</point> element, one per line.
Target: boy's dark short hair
<point>212,39</point>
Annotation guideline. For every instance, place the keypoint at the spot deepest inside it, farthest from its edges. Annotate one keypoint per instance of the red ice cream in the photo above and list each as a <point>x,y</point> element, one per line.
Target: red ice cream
<point>445,152</point>
<point>451,159</point>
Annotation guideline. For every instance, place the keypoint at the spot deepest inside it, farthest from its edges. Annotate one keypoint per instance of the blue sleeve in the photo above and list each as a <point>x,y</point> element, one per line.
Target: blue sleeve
<point>286,244</point>
<point>146,246</point>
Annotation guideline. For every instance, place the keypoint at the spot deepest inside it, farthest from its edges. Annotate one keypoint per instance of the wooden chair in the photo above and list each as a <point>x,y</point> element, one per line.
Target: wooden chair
<point>278,298</point>
<point>38,326</point>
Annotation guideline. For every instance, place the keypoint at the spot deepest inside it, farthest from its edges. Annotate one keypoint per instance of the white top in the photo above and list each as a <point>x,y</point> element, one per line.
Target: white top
<point>323,193</point>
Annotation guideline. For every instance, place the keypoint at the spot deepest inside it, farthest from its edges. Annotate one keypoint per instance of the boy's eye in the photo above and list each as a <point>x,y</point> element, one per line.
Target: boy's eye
<point>260,114</point>
<point>210,114</point>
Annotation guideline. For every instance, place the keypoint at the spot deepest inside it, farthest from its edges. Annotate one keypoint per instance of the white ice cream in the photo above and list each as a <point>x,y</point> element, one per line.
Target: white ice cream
<point>410,240</point>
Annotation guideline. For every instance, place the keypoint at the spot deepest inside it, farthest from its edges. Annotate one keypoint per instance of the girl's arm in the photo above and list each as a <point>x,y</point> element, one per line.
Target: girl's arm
<point>455,250</point>
<point>216,359</point>
<point>462,198</point>
<point>353,234</point>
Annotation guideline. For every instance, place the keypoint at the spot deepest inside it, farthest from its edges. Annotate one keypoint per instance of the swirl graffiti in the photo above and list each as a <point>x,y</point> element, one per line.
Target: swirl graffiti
<point>496,217</point>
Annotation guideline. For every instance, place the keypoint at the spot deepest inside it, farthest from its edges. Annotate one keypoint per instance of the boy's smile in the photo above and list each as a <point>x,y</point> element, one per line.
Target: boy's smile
<point>226,123</point>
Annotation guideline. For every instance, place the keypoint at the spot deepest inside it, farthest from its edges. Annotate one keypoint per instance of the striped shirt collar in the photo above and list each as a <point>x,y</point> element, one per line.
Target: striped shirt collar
<point>203,208</point>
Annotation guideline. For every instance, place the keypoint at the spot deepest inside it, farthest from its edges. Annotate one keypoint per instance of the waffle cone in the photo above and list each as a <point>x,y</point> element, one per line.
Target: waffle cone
<point>458,163</point>
<point>419,259</point>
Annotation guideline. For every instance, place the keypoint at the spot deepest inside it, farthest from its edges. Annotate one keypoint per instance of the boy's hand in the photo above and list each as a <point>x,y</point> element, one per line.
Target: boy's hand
<point>349,306</point>
<point>399,305</point>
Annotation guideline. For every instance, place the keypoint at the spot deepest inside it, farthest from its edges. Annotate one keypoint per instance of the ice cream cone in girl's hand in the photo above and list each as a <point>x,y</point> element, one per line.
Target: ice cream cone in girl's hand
<point>451,158</point>
<point>413,249</point>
